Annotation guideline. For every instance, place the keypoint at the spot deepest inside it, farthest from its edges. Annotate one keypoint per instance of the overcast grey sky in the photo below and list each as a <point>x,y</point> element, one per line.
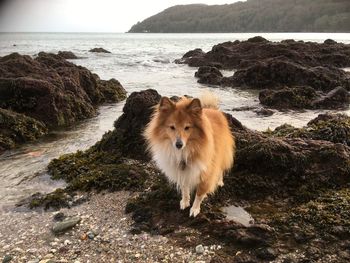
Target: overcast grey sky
<point>82,15</point>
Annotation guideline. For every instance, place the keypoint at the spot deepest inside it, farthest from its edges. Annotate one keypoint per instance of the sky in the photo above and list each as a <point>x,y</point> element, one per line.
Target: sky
<point>82,15</point>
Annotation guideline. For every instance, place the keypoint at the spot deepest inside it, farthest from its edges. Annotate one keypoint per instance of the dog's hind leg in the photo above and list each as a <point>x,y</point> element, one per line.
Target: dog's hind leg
<point>185,201</point>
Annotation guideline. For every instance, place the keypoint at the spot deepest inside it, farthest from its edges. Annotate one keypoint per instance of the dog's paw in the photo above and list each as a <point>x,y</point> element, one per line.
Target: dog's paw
<point>194,211</point>
<point>220,183</point>
<point>184,204</point>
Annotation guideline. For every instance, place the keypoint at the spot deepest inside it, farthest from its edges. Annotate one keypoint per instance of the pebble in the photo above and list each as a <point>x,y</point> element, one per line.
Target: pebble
<point>65,224</point>
<point>67,242</point>
<point>199,249</point>
<point>90,235</point>
<point>59,216</point>
<point>19,250</point>
<point>34,261</point>
<point>7,258</point>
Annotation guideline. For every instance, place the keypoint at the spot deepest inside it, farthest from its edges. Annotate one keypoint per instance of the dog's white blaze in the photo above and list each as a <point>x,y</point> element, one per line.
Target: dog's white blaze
<point>168,159</point>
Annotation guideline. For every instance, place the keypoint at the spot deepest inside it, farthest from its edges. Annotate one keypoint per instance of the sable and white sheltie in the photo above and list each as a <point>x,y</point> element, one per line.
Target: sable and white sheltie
<point>191,142</point>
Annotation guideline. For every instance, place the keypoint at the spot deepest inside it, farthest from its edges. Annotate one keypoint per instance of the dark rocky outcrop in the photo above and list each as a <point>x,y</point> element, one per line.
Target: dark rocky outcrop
<point>280,66</point>
<point>278,176</point>
<point>99,50</point>
<point>242,54</point>
<point>52,90</point>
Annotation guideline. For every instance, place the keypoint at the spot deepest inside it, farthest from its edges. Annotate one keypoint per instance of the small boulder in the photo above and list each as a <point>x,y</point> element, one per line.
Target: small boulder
<point>257,39</point>
<point>330,42</point>
<point>67,55</point>
<point>99,50</point>
<point>209,75</point>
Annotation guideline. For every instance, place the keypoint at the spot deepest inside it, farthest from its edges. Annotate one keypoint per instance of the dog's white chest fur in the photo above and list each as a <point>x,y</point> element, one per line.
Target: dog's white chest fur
<point>171,161</point>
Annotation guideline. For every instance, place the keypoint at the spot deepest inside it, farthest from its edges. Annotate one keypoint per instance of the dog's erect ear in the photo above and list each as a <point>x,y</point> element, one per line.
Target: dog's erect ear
<point>195,106</point>
<point>166,105</point>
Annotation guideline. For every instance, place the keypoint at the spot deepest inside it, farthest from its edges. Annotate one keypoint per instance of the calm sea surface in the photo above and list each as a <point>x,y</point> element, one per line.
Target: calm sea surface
<point>138,61</point>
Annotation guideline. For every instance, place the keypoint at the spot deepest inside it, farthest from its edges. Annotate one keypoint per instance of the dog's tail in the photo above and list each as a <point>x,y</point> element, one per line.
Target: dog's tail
<point>209,100</point>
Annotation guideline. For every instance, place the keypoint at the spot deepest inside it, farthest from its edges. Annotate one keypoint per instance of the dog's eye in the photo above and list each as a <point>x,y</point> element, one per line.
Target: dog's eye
<point>172,127</point>
<point>187,128</point>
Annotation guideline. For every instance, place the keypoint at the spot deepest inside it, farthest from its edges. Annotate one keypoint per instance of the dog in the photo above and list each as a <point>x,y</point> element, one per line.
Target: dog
<point>192,144</point>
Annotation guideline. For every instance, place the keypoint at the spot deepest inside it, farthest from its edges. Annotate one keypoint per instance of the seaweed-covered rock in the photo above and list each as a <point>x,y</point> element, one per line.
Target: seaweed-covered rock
<point>99,50</point>
<point>127,136</point>
<point>231,54</point>
<point>51,89</point>
<point>276,73</point>
<point>273,175</point>
<point>262,64</point>
<point>111,90</point>
<point>329,127</point>
<point>336,98</point>
<point>209,75</point>
<point>17,128</point>
<point>285,98</point>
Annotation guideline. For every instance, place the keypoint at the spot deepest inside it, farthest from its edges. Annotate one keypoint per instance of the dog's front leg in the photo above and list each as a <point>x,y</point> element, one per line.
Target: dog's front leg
<point>185,193</point>
<point>201,193</point>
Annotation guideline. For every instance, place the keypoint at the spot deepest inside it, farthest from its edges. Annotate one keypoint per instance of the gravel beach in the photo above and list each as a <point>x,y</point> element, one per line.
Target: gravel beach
<point>103,235</point>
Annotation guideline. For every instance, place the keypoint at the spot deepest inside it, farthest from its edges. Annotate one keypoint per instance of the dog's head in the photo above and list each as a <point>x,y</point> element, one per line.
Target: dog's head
<point>180,122</point>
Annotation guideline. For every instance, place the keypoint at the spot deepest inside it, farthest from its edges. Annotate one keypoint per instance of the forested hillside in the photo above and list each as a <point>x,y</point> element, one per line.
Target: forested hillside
<point>252,16</point>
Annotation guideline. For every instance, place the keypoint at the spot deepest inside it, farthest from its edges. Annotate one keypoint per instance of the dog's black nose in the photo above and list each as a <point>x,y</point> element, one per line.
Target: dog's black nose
<point>179,144</point>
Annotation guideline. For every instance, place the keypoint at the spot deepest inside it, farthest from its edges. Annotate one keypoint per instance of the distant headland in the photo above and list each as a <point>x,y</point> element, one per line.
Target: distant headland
<point>251,16</point>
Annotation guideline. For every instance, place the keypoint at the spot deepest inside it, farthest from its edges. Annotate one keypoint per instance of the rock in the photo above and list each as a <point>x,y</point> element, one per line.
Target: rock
<point>330,42</point>
<point>49,88</point>
<point>65,225</point>
<point>7,258</point>
<point>336,98</point>
<point>199,249</point>
<point>47,261</point>
<point>289,98</point>
<point>329,127</point>
<point>209,75</point>
<point>127,136</point>
<point>237,55</point>
<point>52,91</point>
<point>16,128</point>
<point>90,235</point>
<point>264,112</point>
<point>34,261</point>
<point>59,216</point>
<point>266,253</point>
<point>99,50</point>
<point>245,108</point>
<point>277,73</point>
<point>67,242</point>
<point>262,64</point>
<point>257,39</point>
<point>303,180</point>
<point>67,55</point>
<point>194,53</point>
<point>111,90</point>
